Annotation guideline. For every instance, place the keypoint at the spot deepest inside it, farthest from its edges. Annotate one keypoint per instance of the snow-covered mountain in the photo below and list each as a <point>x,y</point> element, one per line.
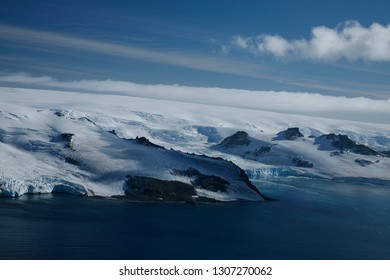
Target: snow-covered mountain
<point>118,145</point>
<point>289,152</point>
<point>47,151</point>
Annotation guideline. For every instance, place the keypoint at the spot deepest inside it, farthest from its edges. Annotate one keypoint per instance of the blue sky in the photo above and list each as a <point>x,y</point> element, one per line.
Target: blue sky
<point>327,47</point>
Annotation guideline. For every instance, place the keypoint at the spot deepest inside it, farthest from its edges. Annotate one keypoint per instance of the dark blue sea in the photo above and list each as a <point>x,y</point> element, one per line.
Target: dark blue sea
<point>313,219</point>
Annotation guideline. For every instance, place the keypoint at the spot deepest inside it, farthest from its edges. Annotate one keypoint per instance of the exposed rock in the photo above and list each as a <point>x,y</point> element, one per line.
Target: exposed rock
<point>344,143</point>
<point>262,150</point>
<point>140,140</point>
<point>202,181</point>
<point>3,134</point>
<point>299,162</point>
<point>240,138</point>
<point>112,132</point>
<point>68,137</point>
<point>145,141</point>
<point>64,114</point>
<point>336,153</point>
<point>63,138</point>
<point>71,160</point>
<point>363,162</point>
<point>385,153</point>
<point>291,133</point>
<point>141,188</point>
<point>245,178</point>
<point>59,114</point>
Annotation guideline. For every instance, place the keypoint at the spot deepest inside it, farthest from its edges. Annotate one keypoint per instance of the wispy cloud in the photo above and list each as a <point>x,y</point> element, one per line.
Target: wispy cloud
<point>361,108</point>
<point>55,43</point>
<point>47,41</point>
<point>350,40</point>
<point>26,79</point>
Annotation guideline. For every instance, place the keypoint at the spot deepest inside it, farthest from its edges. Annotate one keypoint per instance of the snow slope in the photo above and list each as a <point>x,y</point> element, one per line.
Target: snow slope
<point>36,156</point>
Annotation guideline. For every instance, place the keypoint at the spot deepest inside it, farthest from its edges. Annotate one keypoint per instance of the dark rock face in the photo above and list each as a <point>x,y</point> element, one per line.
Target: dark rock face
<point>140,140</point>
<point>343,143</point>
<point>145,141</point>
<point>261,150</point>
<point>202,181</point>
<point>240,138</point>
<point>386,153</point>
<point>336,153</point>
<point>63,138</point>
<point>62,114</point>
<point>245,178</point>
<point>59,114</point>
<point>291,133</point>
<point>112,132</point>
<point>299,162</point>
<point>363,162</point>
<point>66,140</point>
<point>71,160</point>
<point>67,137</point>
<point>3,133</point>
<point>141,188</point>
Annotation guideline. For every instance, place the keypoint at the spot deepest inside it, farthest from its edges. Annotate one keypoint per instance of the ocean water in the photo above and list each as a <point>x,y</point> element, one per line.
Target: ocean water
<point>313,219</point>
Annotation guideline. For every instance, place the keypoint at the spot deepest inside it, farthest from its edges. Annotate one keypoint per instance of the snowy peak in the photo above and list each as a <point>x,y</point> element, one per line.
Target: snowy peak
<point>240,138</point>
<point>344,144</point>
<point>291,134</point>
<point>306,156</point>
<point>240,143</point>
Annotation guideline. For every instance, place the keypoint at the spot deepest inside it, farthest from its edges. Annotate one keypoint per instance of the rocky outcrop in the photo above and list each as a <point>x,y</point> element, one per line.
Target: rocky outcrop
<point>68,114</point>
<point>240,138</point>
<point>363,162</point>
<point>299,162</point>
<point>291,134</point>
<point>71,160</point>
<point>202,181</point>
<point>344,144</point>
<point>140,140</point>
<point>67,137</point>
<point>261,150</point>
<point>145,141</point>
<point>385,153</point>
<point>141,188</point>
<point>63,138</point>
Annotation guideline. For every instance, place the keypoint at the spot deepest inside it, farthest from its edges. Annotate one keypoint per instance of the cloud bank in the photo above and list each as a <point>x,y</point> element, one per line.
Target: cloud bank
<point>358,108</point>
<point>349,40</point>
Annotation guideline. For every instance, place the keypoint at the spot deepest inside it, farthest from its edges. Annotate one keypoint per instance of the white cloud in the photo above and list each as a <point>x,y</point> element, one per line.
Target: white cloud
<point>349,41</point>
<point>275,44</point>
<point>361,108</point>
<point>240,42</point>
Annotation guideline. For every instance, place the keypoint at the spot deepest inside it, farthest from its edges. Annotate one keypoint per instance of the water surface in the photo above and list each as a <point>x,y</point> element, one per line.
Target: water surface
<point>313,219</point>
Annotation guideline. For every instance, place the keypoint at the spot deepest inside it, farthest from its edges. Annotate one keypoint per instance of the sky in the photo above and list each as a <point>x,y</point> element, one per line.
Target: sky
<point>337,48</point>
